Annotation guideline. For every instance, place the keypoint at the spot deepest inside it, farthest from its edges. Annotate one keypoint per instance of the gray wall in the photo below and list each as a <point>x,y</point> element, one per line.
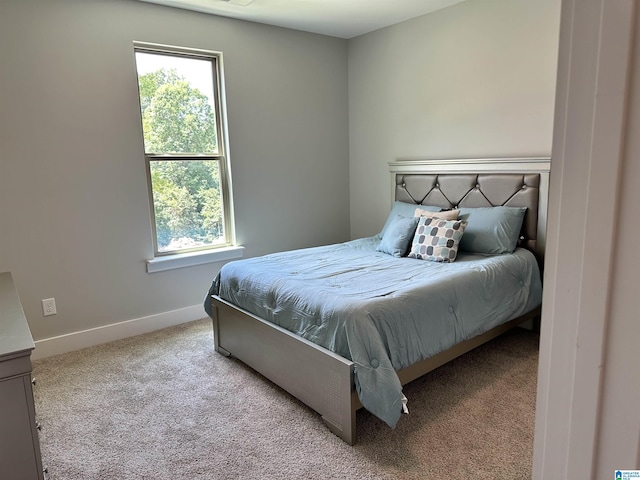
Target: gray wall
<point>473,80</point>
<point>313,122</point>
<point>73,196</point>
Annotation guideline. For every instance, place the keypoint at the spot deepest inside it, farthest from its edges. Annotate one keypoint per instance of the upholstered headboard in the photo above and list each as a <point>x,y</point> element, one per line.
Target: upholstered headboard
<point>521,182</point>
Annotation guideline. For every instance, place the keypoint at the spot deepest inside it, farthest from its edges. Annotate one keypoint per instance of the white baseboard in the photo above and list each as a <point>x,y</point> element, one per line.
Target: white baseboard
<point>108,333</point>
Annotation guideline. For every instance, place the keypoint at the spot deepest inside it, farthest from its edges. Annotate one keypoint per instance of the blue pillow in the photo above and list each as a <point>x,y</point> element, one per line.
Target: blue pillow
<point>406,210</point>
<point>398,236</point>
<point>492,230</point>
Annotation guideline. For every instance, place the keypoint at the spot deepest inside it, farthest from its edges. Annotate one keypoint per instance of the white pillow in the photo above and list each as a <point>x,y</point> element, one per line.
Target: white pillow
<point>444,214</point>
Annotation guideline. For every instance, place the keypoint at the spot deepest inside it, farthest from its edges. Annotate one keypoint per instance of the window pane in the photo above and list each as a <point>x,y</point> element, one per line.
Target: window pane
<point>177,103</point>
<point>187,204</point>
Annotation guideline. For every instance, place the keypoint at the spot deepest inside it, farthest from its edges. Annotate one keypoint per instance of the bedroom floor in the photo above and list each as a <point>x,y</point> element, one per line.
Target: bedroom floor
<point>165,406</point>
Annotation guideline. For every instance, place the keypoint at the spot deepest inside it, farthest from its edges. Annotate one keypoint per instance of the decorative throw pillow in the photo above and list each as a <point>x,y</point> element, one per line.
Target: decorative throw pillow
<point>406,210</point>
<point>397,237</point>
<point>491,230</point>
<point>437,240</point>
<point>443,214</point>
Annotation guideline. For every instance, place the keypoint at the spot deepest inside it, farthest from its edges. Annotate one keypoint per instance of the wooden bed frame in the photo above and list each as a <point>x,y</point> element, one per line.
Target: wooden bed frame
<point>325,381</point>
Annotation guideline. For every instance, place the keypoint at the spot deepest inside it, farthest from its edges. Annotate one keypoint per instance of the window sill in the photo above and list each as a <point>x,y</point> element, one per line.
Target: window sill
<point>181,260</point>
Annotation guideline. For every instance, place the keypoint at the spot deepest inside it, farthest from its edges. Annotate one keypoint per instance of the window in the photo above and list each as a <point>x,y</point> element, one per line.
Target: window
<point>184,144</point>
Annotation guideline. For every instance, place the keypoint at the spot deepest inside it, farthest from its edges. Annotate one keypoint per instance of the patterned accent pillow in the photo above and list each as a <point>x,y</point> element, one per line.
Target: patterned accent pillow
<point>437,240</point>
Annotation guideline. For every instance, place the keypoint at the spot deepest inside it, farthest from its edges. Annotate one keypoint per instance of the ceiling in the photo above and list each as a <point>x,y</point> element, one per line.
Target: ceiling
<point>337,18</point>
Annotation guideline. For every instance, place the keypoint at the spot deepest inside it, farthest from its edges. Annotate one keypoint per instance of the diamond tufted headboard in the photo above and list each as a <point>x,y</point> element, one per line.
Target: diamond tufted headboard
<point>521,182</point>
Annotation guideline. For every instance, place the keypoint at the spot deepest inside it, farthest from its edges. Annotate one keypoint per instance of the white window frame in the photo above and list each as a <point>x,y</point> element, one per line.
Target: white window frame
<point>210,253</point>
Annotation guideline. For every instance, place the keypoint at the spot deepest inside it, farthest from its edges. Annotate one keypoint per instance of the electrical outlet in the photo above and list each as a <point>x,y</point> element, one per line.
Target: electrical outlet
<point>49,306</point>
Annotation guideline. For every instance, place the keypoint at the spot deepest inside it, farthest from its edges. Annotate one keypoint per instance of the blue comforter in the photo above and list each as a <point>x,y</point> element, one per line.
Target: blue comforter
<point>381,312</point>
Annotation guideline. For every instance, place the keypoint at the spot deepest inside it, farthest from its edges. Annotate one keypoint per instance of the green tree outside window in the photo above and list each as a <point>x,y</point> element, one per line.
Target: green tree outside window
<point>178,118</point>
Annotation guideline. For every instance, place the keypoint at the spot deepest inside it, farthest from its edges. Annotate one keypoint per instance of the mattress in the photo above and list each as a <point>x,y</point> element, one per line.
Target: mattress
<point>381,312</point>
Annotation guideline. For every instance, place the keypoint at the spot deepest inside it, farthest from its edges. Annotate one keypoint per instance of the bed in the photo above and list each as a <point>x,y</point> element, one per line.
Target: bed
<point>350,324</point>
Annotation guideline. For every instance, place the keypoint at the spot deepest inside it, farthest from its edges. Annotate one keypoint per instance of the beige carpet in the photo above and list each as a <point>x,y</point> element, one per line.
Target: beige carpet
<point>166,406</point>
